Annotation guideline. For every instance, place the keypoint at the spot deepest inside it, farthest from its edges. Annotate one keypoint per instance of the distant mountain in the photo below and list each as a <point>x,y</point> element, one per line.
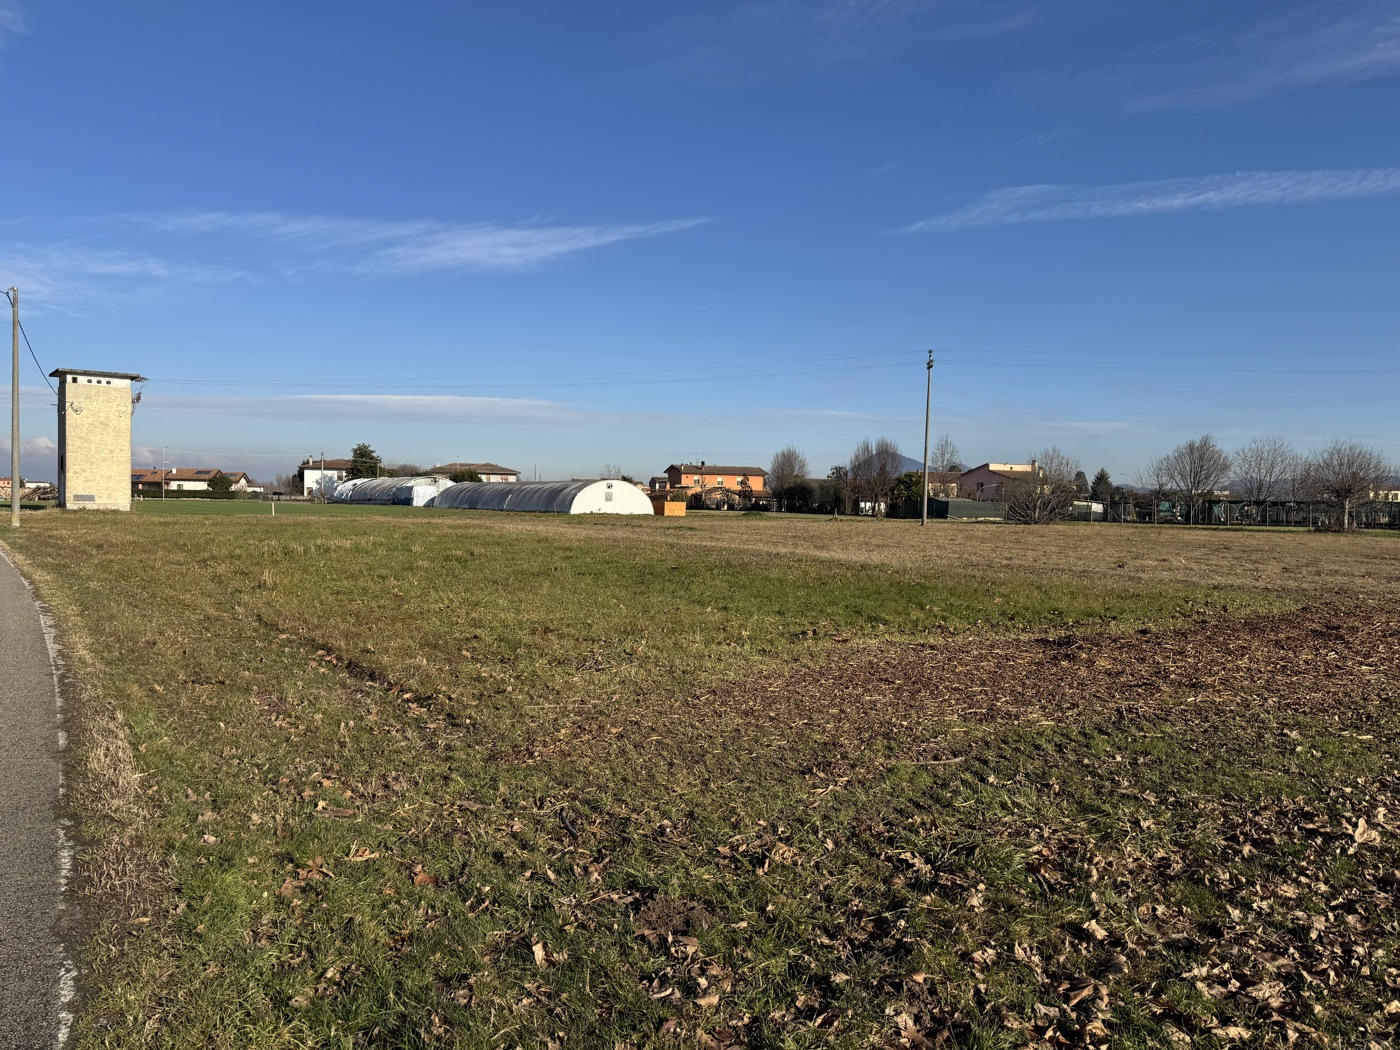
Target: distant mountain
<point>907,464</point>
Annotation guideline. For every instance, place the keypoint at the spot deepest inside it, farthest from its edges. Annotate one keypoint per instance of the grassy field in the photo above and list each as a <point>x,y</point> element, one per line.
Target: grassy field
<point>432,779</point>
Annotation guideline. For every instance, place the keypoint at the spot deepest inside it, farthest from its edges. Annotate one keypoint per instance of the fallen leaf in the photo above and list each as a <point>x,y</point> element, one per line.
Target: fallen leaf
<point>1231,1033</point>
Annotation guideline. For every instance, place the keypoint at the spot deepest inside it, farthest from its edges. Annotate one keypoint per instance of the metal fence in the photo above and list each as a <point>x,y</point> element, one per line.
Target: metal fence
<point>1294,513</point>
<point>1301,514</point>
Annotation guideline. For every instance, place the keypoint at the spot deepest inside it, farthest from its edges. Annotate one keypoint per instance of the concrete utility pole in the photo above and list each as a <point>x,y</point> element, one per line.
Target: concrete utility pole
<point>928,401</point>
<point>14,408</point>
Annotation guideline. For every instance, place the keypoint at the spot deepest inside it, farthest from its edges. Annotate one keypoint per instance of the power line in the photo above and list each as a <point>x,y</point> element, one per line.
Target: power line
<point>231,455</point>
<point>1201,371</point>
<point>36,357</point>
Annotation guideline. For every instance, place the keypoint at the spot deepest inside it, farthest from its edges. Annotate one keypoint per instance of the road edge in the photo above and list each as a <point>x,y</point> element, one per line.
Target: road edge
<point>66,921</point>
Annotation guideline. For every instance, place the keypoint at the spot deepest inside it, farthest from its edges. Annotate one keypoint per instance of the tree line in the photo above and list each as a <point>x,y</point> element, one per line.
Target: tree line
<point>872,481</point>
<point>1344,474</point>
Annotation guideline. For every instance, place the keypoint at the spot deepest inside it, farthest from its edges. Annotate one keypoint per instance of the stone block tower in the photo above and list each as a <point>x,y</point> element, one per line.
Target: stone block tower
<point>94,438</point>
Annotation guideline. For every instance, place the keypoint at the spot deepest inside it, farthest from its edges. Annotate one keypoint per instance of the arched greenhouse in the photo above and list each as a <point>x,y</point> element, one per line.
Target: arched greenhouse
<point>547,497</point>
<point>399,492</point>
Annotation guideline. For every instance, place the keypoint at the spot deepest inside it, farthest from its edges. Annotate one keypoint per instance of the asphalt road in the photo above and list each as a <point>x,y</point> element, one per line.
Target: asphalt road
<point>34,969</point>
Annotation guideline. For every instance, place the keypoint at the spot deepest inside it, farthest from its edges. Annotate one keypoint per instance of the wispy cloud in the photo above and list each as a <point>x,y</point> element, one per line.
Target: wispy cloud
<point>1319,44</point>
<point>374,247</point>
<point>440,407</point>
<point>67,276</point>
<point>782,37</point>
<point>1044,138</point>
<point>11,21</point>
<point>1209,193</point>
<point>397,408</point>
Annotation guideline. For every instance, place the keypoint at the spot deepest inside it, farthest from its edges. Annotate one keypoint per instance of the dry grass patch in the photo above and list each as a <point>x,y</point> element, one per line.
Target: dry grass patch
<point>473,780</point>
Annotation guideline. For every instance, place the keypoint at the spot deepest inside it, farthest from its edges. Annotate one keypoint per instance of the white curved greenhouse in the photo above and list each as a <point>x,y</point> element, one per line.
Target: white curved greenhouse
<point>547,497</point>
<point>399,492</point>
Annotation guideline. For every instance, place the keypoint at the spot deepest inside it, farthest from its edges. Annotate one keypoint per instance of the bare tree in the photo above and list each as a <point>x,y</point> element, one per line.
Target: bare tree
<point>1195,470</point>
<point>1346,474</point>
<point>1046,496</point>
<point>944,467</point>
<point>611,471</point>
<point>944,457</point>
<point>404,470</point>
<point>286,485</point>
<point>874,471</point>
<point>788,467</point>
<point>1152,483</point>
<point>1264,469</point>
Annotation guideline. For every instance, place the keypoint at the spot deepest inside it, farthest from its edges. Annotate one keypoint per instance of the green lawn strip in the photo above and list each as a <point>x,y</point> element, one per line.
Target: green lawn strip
<point>369,840</point>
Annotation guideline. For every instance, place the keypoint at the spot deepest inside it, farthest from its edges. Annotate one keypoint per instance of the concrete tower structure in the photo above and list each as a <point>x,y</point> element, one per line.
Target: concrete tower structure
<point>94,438</point>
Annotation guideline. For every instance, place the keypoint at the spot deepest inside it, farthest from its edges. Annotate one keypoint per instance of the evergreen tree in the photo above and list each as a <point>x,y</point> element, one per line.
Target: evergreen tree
<point>1101,489</point>
<point>364,462</point>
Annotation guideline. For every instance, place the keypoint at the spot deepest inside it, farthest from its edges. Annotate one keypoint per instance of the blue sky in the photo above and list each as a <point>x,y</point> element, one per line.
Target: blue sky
<point>561,235</point>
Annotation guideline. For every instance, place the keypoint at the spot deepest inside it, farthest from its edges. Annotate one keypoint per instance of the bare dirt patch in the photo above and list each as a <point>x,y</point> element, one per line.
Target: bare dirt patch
<point>1313,662</point>
<point>667,915</point>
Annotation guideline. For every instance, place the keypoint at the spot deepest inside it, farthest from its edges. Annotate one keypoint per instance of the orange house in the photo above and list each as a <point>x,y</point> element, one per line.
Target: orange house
<point>703,476</point>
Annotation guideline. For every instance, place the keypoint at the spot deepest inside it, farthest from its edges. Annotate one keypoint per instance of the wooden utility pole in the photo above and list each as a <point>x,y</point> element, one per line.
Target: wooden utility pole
<point>14,408</point>
<point>928,401</point>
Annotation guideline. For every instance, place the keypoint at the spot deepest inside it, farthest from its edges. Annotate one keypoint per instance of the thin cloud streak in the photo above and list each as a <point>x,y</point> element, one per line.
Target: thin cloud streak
<point>1044,138</point>
<point>1050,203</point>
<point>11,21</point>
<point>1302,48</point>
<point>65,276</point>
<point>776,38</point>
<point>418,246</point>
<point>396,408</point>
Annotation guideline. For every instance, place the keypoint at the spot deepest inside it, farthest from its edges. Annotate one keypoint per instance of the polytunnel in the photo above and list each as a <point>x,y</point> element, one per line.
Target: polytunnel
<point>400,492</point>
<point>547,497</point>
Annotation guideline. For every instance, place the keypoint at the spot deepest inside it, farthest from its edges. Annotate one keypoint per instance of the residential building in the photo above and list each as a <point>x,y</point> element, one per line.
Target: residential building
<point>486,471</point>
<point>94,438</point>
<point>944,484</point>
<point>718,485</point>
<point>187,479</point>
<point>986,481</point>
<point>319,476</point>
<point>703,475</point>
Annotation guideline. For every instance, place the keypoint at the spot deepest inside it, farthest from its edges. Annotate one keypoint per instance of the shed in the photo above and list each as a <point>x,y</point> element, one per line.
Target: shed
<point>398,492</point>
<point>547,497</point>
